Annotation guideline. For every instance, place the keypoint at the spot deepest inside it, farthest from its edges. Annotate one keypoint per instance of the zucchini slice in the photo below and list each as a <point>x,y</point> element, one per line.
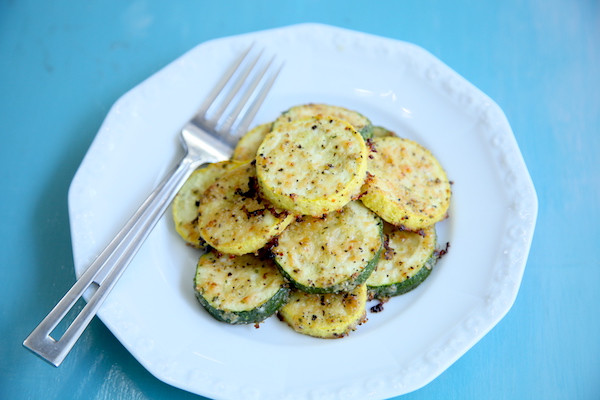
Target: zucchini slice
<point>248,144</point>
<point>407,186</point>
<point>331,254</point>
<point>312,166</point>
<point>239,290</point>
<point>327,316</point>
<point>187,200</point>
<point>380,131</point>
<point>361,123</point>
<point>407,261</point>
<point>233,219</point>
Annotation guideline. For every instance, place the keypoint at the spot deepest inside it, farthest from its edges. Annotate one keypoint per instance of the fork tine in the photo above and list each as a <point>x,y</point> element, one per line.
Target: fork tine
<point>214,93</point>
<point>243,99</point>
<point>233,91</point>
<point>241,74</point>
<point>257,102</point>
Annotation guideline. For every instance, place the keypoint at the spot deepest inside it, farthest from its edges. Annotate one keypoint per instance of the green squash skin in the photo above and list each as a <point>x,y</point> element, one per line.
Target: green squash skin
<point>345,286</point>
<point>396,289</point>
<point>253,316</point>
<point>366,132</point>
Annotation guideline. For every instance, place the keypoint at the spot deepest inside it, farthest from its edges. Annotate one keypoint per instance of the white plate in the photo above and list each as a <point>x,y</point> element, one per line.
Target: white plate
<point>152,310</point>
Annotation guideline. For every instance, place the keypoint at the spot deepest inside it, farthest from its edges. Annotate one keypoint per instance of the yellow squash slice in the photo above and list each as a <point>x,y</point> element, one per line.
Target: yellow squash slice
<point>312,166</point>
<point>234,219</point>
<point>187,200</point>
<point>248,144</point>
<point>361,123</point>
<point>326,316</point>
<point>407,186</point>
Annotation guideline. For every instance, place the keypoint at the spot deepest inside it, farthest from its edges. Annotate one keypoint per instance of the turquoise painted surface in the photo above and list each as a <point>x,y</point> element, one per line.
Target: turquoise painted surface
<point>64,63</point>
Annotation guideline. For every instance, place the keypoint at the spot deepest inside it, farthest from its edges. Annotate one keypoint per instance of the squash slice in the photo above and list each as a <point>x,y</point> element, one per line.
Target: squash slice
<point>312,166</point>
<point>407,186</point>
<point>187,200</point>
<point>234,219</point>
<point>327,316</point>
<point>248,144</point>
<point>406,262</point>
<point>239,290</point>
<point>331,254</point>
<point>361,123</point>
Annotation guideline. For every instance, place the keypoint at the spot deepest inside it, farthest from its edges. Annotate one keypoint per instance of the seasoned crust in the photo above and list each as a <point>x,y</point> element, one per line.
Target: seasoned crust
<point>406,262</point>
<point>331,254</point>
<point>239,289</point>
<point>327,316</point>
<point>187,200</point>
<point>361,123</point>
<point>312,166</point>
<point>407,186</point>
<point>234,219</point>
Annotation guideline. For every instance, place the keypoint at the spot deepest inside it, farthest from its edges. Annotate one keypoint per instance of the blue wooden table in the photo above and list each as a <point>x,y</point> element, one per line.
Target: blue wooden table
<point>64,63</point>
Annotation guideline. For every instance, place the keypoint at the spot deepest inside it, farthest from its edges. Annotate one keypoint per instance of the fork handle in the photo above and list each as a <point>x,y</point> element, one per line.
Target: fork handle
<point>107,268</point>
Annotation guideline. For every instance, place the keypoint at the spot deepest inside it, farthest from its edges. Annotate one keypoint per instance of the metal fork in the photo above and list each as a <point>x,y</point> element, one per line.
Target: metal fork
<point>208,137</point>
